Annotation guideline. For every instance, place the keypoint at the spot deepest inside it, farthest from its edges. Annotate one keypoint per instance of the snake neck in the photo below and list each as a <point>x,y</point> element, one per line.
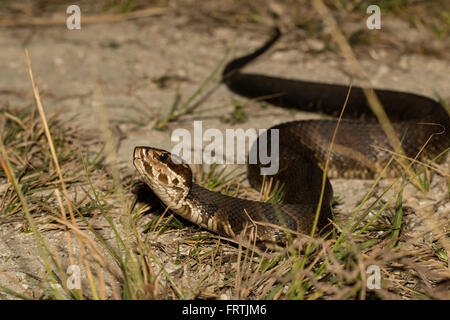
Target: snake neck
<point>252,220</point>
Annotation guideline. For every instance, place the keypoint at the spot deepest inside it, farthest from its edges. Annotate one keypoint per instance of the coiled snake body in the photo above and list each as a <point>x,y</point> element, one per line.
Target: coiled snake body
<point>359,151</point>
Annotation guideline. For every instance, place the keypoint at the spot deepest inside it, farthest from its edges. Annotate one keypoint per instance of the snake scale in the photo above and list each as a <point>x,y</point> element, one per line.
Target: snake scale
<point>360,150</point>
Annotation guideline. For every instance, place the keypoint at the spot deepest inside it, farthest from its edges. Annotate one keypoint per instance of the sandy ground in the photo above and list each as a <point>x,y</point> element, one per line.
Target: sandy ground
<point>123,59</point>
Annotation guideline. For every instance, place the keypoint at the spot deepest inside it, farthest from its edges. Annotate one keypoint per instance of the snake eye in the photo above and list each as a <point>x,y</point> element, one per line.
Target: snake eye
<point>163,157</point>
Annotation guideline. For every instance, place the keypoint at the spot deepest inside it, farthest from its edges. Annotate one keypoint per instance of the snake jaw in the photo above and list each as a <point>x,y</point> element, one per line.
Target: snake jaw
<point>166,174</point>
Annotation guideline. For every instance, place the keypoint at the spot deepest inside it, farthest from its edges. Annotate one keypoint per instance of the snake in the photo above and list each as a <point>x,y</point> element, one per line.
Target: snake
<point>360,150</point>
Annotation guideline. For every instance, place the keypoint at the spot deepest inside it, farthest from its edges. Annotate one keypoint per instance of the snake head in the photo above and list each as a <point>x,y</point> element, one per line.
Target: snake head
<point>166,174</point>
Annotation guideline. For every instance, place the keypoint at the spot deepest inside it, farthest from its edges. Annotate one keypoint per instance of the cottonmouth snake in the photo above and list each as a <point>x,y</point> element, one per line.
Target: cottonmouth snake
<point>303,147</point>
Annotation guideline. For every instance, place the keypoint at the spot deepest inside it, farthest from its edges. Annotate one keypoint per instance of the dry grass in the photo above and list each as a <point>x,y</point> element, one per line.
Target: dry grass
<point>162,257</point>
<point>126,251</point>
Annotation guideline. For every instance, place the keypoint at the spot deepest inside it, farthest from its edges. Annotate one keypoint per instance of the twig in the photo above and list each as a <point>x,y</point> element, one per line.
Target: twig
<point>27,21</point>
